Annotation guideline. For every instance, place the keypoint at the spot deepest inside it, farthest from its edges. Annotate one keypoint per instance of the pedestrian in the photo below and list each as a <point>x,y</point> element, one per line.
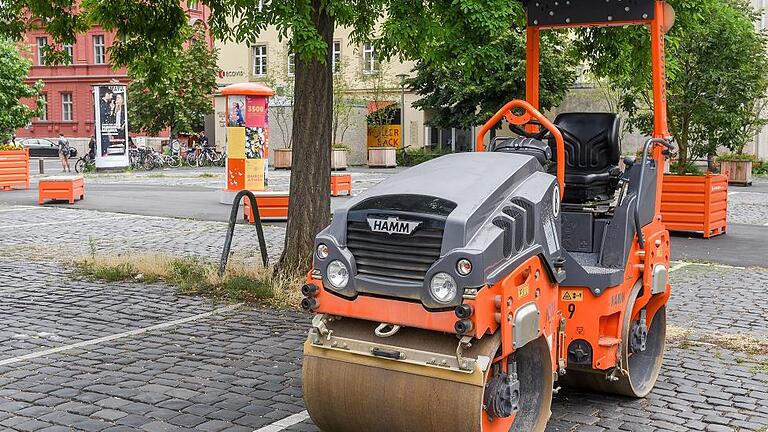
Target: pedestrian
<point>64,153</point>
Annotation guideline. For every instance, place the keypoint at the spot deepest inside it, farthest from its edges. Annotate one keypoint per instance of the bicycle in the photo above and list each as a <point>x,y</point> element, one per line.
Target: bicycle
<point>208,157</point>
<point>85,163</point>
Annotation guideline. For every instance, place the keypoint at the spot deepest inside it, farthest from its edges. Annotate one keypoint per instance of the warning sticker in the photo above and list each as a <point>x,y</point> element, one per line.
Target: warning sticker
<point>572,295</point>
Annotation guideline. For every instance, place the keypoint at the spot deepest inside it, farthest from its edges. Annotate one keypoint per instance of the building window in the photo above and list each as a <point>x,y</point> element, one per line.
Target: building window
<point>98,50</point>
<point>44,112</point>
<point>370,59</point>
<point>70,50</point>
<point>42,42</point>
<point>291,64</point>
<point>66,107</point>
<point>336,58</point>
<point>193,5</point>
<point>259,60</point>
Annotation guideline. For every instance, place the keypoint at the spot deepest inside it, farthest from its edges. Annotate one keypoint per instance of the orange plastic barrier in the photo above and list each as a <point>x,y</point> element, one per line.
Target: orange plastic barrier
<point>67,188</point>
<point>14,169</point>
<point>695,203</point>
<point>341,183</point>
<point>272,205</point>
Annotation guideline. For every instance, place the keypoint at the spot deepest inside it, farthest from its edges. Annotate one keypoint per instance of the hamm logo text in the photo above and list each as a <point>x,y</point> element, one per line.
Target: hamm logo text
<point>392,225</point>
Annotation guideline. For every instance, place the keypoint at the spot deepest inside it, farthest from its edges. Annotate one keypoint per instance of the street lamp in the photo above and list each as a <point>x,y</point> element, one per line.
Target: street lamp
<point>402,77</point>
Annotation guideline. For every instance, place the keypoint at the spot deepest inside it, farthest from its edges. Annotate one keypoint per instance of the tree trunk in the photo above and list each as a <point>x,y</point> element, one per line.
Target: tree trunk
<point>309,208</point>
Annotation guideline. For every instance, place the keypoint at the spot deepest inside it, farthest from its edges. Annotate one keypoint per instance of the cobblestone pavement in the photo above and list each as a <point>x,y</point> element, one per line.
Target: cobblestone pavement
<point>84,355</point>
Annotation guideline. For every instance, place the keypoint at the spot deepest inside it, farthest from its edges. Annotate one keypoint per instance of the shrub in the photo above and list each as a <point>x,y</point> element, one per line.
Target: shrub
<point>414,156</point>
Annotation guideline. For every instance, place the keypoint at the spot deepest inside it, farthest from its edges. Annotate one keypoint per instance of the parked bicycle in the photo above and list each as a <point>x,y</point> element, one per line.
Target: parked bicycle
<point>85,163</point>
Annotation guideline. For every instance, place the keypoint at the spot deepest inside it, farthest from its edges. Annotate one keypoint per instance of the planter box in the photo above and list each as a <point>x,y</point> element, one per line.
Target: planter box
<point>341,183</point>
<point>272,206</point>
<point>695,203</point>
<point>14,169</point>
<point>382,157</point>
<point>739,172</point>
<point>283,158</point>
<point>338,159</point>
<point>66,188</point>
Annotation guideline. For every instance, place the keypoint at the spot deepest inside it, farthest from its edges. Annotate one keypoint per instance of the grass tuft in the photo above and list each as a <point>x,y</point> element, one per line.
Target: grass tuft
<point>194,276</point>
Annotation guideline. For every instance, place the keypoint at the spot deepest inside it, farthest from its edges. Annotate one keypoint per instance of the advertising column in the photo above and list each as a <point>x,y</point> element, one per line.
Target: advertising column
<point>111,125</point>
<point>247,116</point>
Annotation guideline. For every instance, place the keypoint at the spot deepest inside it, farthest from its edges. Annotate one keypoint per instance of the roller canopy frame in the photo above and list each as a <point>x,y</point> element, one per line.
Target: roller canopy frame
<point>545,13</point>
<point>657,15</point>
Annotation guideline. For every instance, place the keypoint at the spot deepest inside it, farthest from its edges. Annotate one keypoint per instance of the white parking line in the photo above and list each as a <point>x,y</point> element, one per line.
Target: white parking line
<point>18,208</point>
<point>129,333</point>
<point>678,266</point>
<point>284,423</point>
<point>682,264</point>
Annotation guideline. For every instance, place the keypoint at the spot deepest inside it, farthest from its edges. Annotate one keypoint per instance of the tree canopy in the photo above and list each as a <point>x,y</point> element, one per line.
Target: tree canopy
<point>14,113</point>
<point>715,63</point>
<point>178,99</point>
<point>465,94</point>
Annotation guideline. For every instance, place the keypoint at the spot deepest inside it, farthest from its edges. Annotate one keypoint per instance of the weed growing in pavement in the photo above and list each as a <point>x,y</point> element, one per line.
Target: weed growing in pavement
<point>194,276</point>
<point>92,247</point>
<point>733,342</point>
<point>761,367</point>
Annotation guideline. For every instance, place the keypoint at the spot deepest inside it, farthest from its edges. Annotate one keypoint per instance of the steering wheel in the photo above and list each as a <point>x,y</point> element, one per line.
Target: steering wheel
<point>520,130</point>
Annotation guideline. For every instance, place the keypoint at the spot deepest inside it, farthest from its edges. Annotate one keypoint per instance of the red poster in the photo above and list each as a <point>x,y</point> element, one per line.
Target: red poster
<point>256,112</point>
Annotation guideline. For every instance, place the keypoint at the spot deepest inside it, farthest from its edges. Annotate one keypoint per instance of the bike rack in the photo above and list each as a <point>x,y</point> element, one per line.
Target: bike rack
<point>231,230</point>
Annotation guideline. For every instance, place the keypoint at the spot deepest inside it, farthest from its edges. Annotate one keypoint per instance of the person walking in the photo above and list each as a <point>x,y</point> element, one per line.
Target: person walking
<point>64,153</point>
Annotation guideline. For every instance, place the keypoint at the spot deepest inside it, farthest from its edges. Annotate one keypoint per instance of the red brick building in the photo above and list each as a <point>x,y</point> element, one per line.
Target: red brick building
<point>67,89</point>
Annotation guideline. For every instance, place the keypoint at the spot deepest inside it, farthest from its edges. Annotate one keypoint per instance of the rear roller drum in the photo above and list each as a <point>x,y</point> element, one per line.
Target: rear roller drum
<point>642,354</point>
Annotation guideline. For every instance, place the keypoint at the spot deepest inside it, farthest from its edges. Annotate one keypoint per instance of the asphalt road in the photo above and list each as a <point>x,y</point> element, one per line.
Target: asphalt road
<point>194,194</point>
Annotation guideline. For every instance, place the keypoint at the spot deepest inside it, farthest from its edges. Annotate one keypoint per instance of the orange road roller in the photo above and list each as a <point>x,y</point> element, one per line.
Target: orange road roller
<point>455,295</point>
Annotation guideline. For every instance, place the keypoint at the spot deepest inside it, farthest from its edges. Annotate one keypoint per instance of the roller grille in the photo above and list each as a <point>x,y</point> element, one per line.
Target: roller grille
<point>395,256</point>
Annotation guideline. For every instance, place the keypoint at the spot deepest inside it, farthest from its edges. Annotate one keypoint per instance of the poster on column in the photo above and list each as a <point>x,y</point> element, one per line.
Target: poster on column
<point>235,158</point>
<point>256,113</point>
<point>236,110</point>
<point>254,174</point>
<point>111,125</point>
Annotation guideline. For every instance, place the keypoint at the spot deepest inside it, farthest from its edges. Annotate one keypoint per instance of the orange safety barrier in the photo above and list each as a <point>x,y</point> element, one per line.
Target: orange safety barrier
<point>695,203</point>
<point>14,169</point>
<point>272,205</point>
<point>67,188</point>
<point>341,183</point>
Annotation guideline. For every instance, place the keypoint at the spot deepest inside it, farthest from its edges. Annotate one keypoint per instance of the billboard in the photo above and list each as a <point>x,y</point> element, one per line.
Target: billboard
<point>111,125</point>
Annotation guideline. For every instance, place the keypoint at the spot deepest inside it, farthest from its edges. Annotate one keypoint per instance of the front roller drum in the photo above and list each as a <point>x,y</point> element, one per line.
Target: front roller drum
<point>350,392</point>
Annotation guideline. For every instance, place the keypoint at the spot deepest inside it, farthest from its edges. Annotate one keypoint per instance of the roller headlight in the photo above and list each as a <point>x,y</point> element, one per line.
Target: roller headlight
<point>338,274</point>
<point>443,287</point>
<point>322,251</point>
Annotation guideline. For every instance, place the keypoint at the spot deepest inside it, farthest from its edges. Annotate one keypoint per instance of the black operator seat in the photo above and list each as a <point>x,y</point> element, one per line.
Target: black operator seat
<point>592,152</point>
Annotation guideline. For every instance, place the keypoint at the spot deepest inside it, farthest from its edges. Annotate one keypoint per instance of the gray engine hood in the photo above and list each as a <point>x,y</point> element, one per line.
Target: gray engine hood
<point>476,182</point>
